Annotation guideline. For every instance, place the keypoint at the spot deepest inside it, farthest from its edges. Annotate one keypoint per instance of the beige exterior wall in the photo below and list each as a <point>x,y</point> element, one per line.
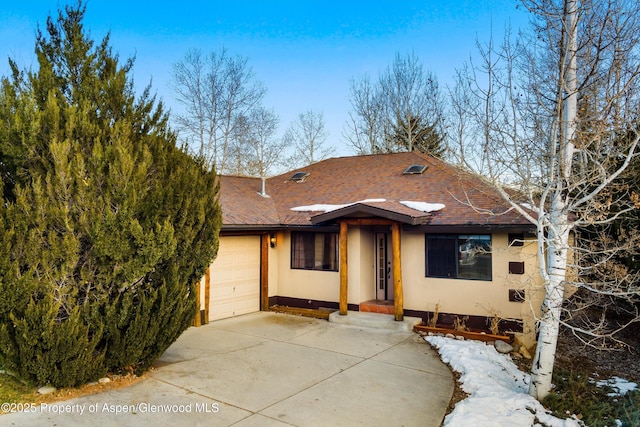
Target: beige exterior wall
<point>305,284</point>
<point>366,279</point>
<point>464,297</point>
<point>274,269</point>
<point>324,285</point>
<point>475,297</point>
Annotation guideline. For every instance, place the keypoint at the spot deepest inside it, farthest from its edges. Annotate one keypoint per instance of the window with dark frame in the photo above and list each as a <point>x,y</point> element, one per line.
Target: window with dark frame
<point>314,251</point>
<point>459,256</point>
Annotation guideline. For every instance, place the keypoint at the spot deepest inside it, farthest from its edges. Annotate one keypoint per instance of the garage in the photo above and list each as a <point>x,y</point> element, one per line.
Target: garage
<point>235,277</point>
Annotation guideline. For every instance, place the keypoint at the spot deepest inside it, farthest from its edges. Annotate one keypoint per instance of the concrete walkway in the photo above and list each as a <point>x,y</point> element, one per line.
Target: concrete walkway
<point>270,369</point>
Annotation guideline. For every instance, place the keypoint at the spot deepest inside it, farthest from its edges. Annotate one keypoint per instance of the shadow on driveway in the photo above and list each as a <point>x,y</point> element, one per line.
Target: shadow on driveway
<point>271,369</point>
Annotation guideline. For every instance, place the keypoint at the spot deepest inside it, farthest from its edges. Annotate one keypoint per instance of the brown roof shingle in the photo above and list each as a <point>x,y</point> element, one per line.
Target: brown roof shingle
<point>242,204</point>
<point>346,180</point>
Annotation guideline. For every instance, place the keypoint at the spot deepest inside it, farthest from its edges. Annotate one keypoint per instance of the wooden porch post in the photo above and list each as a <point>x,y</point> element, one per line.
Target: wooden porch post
<point>207,287</point>
<point>397,273</point>
<point>264,272</point>
<point>197,321</point>
<point>343,268</point>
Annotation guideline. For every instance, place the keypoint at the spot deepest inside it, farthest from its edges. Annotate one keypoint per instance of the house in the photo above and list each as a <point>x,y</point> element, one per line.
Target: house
<point>405,234</point>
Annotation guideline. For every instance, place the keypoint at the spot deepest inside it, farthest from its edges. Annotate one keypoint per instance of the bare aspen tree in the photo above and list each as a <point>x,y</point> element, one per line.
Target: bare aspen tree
<point>307,136</point>
<point>413,98</point>
<point>215,90</point>
<point>256,149</point>
<point>556,126</point>
<point>402,111</point>
<point>364,128</point>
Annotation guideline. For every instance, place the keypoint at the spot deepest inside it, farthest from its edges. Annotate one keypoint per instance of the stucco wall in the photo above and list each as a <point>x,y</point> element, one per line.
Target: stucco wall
<point>306,284</point>
<point>366,278</point>
<point>464,297</point>
<point>474,297</point>
<point>478,297</point>
<point>324,285</point>
<point>274,268</point>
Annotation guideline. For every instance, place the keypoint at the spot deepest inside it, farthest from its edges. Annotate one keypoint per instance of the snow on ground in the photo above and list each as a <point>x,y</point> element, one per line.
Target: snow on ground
<point>498,390</point>
<point>619,385</point>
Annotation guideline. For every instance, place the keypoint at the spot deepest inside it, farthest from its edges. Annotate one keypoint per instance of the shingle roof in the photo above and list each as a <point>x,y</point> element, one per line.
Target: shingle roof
<point>242,204</point>
<point>348,180</point>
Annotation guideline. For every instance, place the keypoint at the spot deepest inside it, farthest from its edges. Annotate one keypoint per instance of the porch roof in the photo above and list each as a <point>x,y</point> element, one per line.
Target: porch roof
<point>388,210</point>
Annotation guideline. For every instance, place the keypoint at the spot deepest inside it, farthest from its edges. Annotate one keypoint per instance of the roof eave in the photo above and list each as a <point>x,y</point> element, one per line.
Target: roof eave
<point>479,228</point>
<point>250,227</point>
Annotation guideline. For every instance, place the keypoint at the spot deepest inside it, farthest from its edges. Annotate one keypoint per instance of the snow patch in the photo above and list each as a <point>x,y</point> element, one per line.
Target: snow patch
<point>620,385</point>
<point>419,206</point>
<point>328,208</point>
<point>423,206</point>
<point>529,206</point>
<point>498,390</point>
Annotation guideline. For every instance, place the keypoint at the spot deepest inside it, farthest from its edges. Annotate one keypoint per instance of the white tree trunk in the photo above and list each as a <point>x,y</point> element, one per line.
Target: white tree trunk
<point>556,266</point>
<point>558,228</point>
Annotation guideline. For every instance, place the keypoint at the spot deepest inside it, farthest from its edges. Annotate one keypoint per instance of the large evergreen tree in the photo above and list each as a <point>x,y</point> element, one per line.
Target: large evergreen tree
<point>105,224</point>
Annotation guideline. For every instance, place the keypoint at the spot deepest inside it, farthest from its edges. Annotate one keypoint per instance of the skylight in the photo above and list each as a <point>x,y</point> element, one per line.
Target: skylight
<point>299,176</point>
<point>414,170</point>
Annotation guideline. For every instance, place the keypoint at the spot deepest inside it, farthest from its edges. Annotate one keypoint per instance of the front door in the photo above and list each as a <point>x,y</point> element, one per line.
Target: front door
<point>384,272</point>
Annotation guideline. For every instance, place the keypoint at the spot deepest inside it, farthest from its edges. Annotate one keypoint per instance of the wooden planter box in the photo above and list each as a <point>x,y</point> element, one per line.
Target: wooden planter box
<point>306,312</point>
<point>479,336</point>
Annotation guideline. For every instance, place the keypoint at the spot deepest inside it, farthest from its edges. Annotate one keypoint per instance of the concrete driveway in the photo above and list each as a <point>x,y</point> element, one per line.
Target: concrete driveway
<point>271,369</point>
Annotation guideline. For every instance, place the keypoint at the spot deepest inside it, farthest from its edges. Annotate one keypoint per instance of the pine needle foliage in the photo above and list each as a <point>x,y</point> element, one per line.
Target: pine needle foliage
<point>105,225</point>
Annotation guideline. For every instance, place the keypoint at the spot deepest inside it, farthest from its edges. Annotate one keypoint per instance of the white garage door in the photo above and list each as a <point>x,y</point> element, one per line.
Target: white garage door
<point>235,277</point>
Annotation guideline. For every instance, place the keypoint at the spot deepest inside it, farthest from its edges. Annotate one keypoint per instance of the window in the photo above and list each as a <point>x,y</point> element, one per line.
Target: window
<point>459,256</point>
<point>314,251</point>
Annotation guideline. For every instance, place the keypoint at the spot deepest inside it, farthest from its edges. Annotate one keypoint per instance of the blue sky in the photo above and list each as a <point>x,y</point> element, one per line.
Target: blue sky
<point>305,52</point>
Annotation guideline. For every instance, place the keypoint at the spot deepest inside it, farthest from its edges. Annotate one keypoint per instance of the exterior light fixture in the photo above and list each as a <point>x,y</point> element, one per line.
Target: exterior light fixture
<point>272,240</point>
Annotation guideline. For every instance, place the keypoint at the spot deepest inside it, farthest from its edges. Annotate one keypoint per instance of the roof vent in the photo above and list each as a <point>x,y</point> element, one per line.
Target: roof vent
<point>299,176</point>
<point>263,191</point>
<point>414,170</point>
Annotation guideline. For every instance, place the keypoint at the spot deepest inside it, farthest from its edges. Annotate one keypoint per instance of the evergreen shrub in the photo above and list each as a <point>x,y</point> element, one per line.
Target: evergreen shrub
<point>105,225</point>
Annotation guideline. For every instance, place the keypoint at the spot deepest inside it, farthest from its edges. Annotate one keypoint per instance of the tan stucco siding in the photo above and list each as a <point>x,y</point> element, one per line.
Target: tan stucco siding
<point>421,293</point>
<point>325,285</point>
<point>366,278</point>
<point>274,258</point>
<point>476,297</point>
<point>306,284</point>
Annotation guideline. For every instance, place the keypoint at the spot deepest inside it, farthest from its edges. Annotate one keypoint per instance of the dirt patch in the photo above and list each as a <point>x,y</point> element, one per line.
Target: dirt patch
<point>622,360</point>
<point>458,394</point>
<point>116,382</point>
